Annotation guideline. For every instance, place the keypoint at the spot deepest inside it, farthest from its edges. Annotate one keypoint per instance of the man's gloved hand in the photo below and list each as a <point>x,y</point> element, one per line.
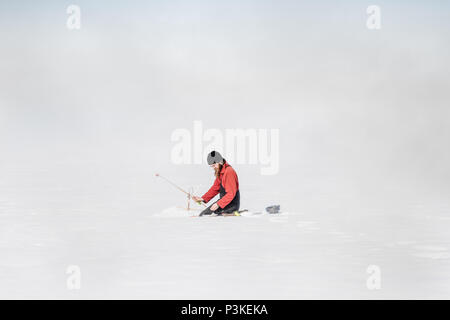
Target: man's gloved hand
<point>197,199</point>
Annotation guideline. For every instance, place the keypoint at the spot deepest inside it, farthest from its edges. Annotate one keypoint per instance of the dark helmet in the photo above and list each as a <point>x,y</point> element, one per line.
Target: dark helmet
<point>214,157</point>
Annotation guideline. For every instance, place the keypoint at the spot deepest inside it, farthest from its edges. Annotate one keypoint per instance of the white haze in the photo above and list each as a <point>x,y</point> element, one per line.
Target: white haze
<point>86,119</point>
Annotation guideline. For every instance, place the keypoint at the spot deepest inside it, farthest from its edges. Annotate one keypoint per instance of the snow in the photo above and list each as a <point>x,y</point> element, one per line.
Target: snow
<point>126,249</point>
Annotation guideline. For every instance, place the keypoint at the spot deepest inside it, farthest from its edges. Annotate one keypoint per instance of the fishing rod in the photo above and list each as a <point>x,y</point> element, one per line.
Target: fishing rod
<point>179,188</point>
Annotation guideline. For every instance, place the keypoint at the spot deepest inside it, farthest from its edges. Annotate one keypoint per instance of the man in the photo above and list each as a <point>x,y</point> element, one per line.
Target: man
<point>226,183</point>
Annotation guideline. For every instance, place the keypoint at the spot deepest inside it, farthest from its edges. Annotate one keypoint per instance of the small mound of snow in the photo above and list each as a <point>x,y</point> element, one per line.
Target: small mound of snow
<point>174,212</point>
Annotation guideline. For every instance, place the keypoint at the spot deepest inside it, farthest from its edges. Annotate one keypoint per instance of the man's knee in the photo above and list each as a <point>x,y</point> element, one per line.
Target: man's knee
<point>207,211</point>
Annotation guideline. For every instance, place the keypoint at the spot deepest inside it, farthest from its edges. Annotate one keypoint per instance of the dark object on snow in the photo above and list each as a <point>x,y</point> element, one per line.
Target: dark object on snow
<point>273,209</point>
<point>214,157</point>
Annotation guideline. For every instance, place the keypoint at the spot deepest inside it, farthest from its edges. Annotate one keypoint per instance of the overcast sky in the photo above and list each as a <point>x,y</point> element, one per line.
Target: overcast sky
<point>360,112</point>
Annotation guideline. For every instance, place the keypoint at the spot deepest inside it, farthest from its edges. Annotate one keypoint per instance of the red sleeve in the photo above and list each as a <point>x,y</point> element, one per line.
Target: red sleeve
<point>230,183</point>
<point>212,192</point>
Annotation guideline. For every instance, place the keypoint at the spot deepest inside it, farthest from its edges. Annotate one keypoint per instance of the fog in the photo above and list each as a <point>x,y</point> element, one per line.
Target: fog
<point>86,116</point>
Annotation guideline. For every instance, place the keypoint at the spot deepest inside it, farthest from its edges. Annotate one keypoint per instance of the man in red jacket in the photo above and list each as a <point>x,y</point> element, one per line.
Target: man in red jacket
<point>226,184</point>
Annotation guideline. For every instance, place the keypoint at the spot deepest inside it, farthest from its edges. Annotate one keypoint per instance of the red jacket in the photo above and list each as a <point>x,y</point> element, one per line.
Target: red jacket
<point>229,180</point>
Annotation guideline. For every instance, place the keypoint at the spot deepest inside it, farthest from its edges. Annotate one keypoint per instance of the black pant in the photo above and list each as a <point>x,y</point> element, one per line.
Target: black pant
<point>219,210</point>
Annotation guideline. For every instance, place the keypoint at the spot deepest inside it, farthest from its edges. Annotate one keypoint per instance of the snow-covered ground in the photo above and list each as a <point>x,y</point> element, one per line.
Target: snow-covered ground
<point>126,249</point>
